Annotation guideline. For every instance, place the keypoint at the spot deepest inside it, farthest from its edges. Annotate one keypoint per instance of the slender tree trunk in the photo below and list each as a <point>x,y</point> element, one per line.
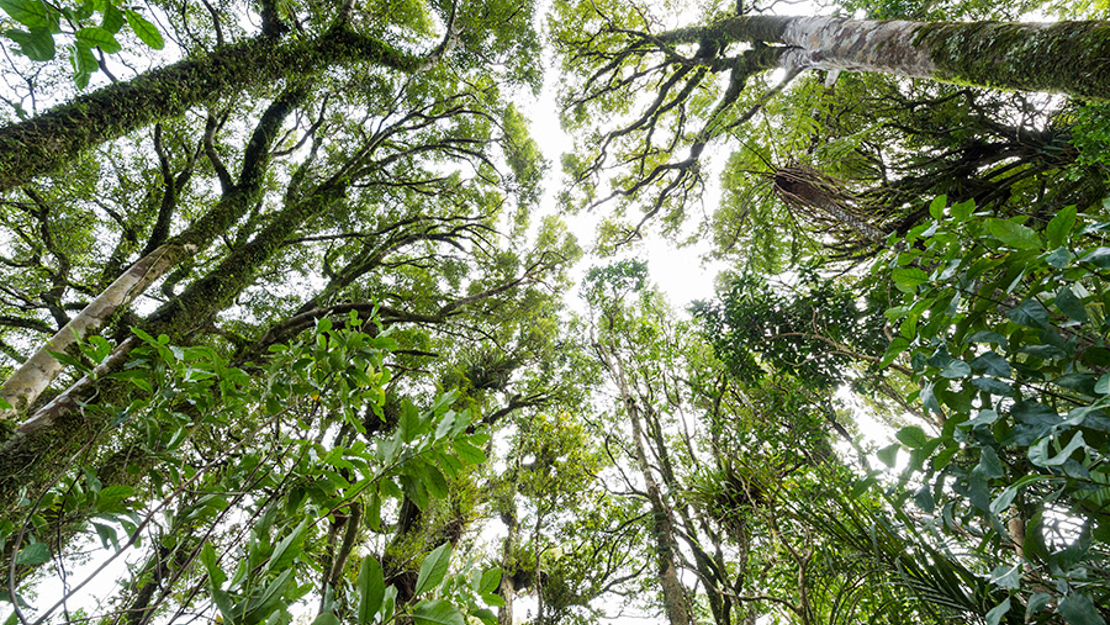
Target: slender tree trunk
<point>1063,57</point>
<point>38,371</point>
<point>675,602</point>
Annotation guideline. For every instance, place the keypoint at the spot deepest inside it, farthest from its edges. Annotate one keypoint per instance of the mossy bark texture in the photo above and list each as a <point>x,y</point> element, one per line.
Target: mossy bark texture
<point>44,143</point>
<point>1062,57</point>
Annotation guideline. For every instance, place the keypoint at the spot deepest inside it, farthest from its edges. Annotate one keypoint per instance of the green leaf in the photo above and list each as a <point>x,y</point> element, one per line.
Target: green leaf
<point>1058,228</point>
<point>96,37</point>
<point>888,455</point>
<point>1078,609</point>
<point>1008,577</point>
<point>491,579</point>
<point>433,569</point>
<point>995,615</point>
<point>936,207</point>
<point>1013,235</point>
<point>912,437</point>
<point>1039,454</point>
<point>37,45</point>
<point>327,618</point>
<point>147,32</point>
<point>1030,313</point>
<point>1102,387</point>
<point>114,19</point>
<point>34,553</point>
<point>989,464</point>
<point>1071,305</point>
<point>437,612</point>
<point>84,64</point>
<point>30,13</point>
<point>955,369</point>
<point>907,279</point>
<point>288,549</point>
<point>469,453</point>
<point>371,590</point>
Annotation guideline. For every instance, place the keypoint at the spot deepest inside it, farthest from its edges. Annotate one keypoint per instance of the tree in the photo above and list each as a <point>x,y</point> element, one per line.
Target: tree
<point>623,52</point>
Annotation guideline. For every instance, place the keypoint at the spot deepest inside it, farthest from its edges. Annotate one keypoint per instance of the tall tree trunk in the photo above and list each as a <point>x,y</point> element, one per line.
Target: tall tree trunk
<point>675,602</point>
<point>1063,57</point>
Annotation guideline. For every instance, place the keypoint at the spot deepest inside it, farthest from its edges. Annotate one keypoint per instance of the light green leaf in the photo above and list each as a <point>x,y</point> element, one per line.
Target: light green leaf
<point>995,615</point>
<point>909,278</point>
<point>469,453</point>
<point>491,579</point>
<point>327,618</point>
<point>1013,235</point>
<point>437,612</point>
<point>888,455</point>
<point>912,437</point>
<point>288,549</point>
<point>433,569</point>
<point>146,31</point>
<point>1059,227</point>
<point>96,37</point>
<point>936,207</point>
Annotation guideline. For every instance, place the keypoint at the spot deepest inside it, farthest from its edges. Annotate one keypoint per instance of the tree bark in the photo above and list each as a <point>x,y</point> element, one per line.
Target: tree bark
<point>37,372</point>
<point>675,602</point>
<point>45,142</point>
<point>1063,57</point>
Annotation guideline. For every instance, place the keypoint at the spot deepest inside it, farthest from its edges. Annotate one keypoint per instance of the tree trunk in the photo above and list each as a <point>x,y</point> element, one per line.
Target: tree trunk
<point>675,602</point>
<point>45,142</point>
<point>37,372</point>
<point>1063,57</point>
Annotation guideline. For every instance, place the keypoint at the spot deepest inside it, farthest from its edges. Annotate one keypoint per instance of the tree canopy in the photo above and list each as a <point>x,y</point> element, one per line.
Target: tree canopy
<point>295,326</point>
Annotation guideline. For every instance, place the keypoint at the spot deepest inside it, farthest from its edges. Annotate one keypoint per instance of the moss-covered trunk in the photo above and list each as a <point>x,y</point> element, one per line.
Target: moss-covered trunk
<point>46,142</point>
<point>1063,57</point>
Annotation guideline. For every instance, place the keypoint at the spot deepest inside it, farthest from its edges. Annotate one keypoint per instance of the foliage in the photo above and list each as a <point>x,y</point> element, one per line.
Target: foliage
<point>84,27</point>
<point>1003,326</point>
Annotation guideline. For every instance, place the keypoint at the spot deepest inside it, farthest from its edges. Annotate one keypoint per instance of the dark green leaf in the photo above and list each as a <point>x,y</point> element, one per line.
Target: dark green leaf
<point>985,336</point>
<point>30,13</point>
<point>1030,313</point>
<point>371,590</point>
<point>989,464</point>
<point>1078,609</point>
<point>37,45</point>
<point>32,554</point>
